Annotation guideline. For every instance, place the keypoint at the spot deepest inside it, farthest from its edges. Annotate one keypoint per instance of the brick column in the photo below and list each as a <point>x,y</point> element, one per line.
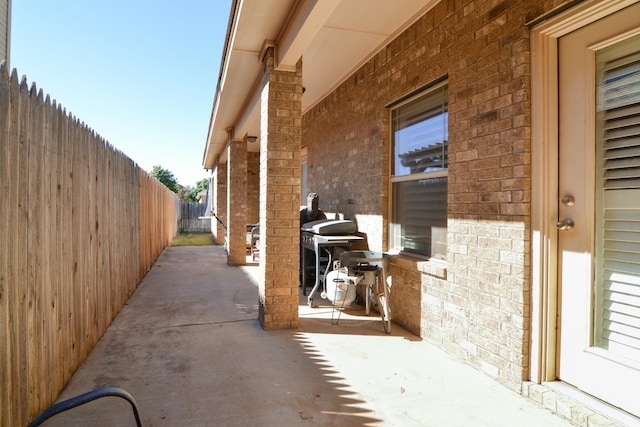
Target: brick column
<point>253,187</point>
<point>219,202</point>
<point>280,133</point>
<point>236,202</point>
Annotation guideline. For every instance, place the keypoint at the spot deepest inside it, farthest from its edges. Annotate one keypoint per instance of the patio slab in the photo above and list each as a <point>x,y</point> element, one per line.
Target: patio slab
<point>189,348</point>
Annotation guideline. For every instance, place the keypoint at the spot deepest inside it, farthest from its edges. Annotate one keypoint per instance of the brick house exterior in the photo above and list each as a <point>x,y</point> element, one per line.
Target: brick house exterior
<point>475,306</point>
<point>482,304</point>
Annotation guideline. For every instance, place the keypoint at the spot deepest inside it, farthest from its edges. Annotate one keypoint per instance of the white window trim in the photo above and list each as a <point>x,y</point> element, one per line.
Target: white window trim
<point>411,177</point>
<point>420,176</point>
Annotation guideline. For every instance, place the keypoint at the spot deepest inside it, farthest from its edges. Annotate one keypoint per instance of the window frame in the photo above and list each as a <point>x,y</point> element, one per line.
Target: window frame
<point>393,179</point>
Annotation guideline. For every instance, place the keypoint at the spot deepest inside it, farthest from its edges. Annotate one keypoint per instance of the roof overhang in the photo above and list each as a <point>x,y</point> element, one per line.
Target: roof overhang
<point>333,37</point>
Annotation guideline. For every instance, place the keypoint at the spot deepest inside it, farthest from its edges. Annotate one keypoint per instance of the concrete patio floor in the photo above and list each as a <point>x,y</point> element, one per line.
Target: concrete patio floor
<point>189,348</point>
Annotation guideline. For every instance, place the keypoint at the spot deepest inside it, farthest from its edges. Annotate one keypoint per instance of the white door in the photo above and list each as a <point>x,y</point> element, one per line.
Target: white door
<point>599,209</point>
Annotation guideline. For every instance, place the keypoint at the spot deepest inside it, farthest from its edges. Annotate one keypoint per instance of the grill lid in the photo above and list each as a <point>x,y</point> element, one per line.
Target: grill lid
<point>330,227</point>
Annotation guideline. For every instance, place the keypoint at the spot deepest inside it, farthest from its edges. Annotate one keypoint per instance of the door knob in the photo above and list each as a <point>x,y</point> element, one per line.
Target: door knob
<point>565,224</point>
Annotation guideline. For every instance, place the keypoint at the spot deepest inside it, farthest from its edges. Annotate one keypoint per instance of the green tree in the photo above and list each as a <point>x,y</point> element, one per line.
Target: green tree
<point>165,176</point>
<point>200,186</point>
<point>184,194</point>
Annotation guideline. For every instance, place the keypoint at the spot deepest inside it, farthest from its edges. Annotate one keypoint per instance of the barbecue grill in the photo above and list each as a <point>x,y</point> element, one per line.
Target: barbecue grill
<point>321,240</point>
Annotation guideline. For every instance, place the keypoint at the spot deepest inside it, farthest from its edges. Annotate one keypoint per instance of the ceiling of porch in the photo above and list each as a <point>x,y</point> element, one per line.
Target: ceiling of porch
<point>334,38</point>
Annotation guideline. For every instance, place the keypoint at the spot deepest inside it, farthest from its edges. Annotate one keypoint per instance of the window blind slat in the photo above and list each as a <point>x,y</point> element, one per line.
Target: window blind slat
<point>617,326</point>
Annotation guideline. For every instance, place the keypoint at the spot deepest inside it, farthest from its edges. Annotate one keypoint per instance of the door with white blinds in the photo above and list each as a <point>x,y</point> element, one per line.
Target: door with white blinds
<point>599,209</point>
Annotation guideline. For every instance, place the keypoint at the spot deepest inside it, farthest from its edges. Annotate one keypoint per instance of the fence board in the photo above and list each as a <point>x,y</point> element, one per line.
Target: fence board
<point>62,158</point>
<point>80,225</point>
<point>17,258</point>
<point>190,214</point>
<point>5,356</point>
<point>36,296</point>
<point>48,211</point>
<point>44,209</point>
<point>22,254</point>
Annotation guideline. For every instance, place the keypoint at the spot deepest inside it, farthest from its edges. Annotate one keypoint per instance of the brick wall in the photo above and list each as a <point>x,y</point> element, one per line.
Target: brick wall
<point>348,164</point>
<point>253,187</point>
<point>475,306</point>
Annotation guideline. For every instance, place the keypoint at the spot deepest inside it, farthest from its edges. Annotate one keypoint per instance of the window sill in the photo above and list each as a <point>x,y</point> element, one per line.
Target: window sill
<point>432,267</point>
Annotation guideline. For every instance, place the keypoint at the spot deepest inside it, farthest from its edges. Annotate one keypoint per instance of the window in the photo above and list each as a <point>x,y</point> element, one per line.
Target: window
<point>617,236</point>
<point>419,174</point>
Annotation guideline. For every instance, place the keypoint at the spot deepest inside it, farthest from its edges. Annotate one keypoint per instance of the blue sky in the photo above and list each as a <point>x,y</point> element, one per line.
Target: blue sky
<point>140,73</point>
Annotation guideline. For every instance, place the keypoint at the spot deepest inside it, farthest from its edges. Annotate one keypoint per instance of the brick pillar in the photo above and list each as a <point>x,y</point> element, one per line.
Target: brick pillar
<point>253,187</point>
<point>236,202</point>
<point>219,202</point>
<point>280,133</point>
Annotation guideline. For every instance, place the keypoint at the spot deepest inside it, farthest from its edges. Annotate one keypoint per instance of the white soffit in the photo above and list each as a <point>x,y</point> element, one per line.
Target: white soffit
<point>356,31</point>
<point>335,37</point>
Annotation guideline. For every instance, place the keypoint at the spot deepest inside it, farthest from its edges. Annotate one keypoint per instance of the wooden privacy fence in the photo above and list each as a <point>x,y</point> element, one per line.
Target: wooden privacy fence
<point>191,218</point>
<point>80,226</point>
